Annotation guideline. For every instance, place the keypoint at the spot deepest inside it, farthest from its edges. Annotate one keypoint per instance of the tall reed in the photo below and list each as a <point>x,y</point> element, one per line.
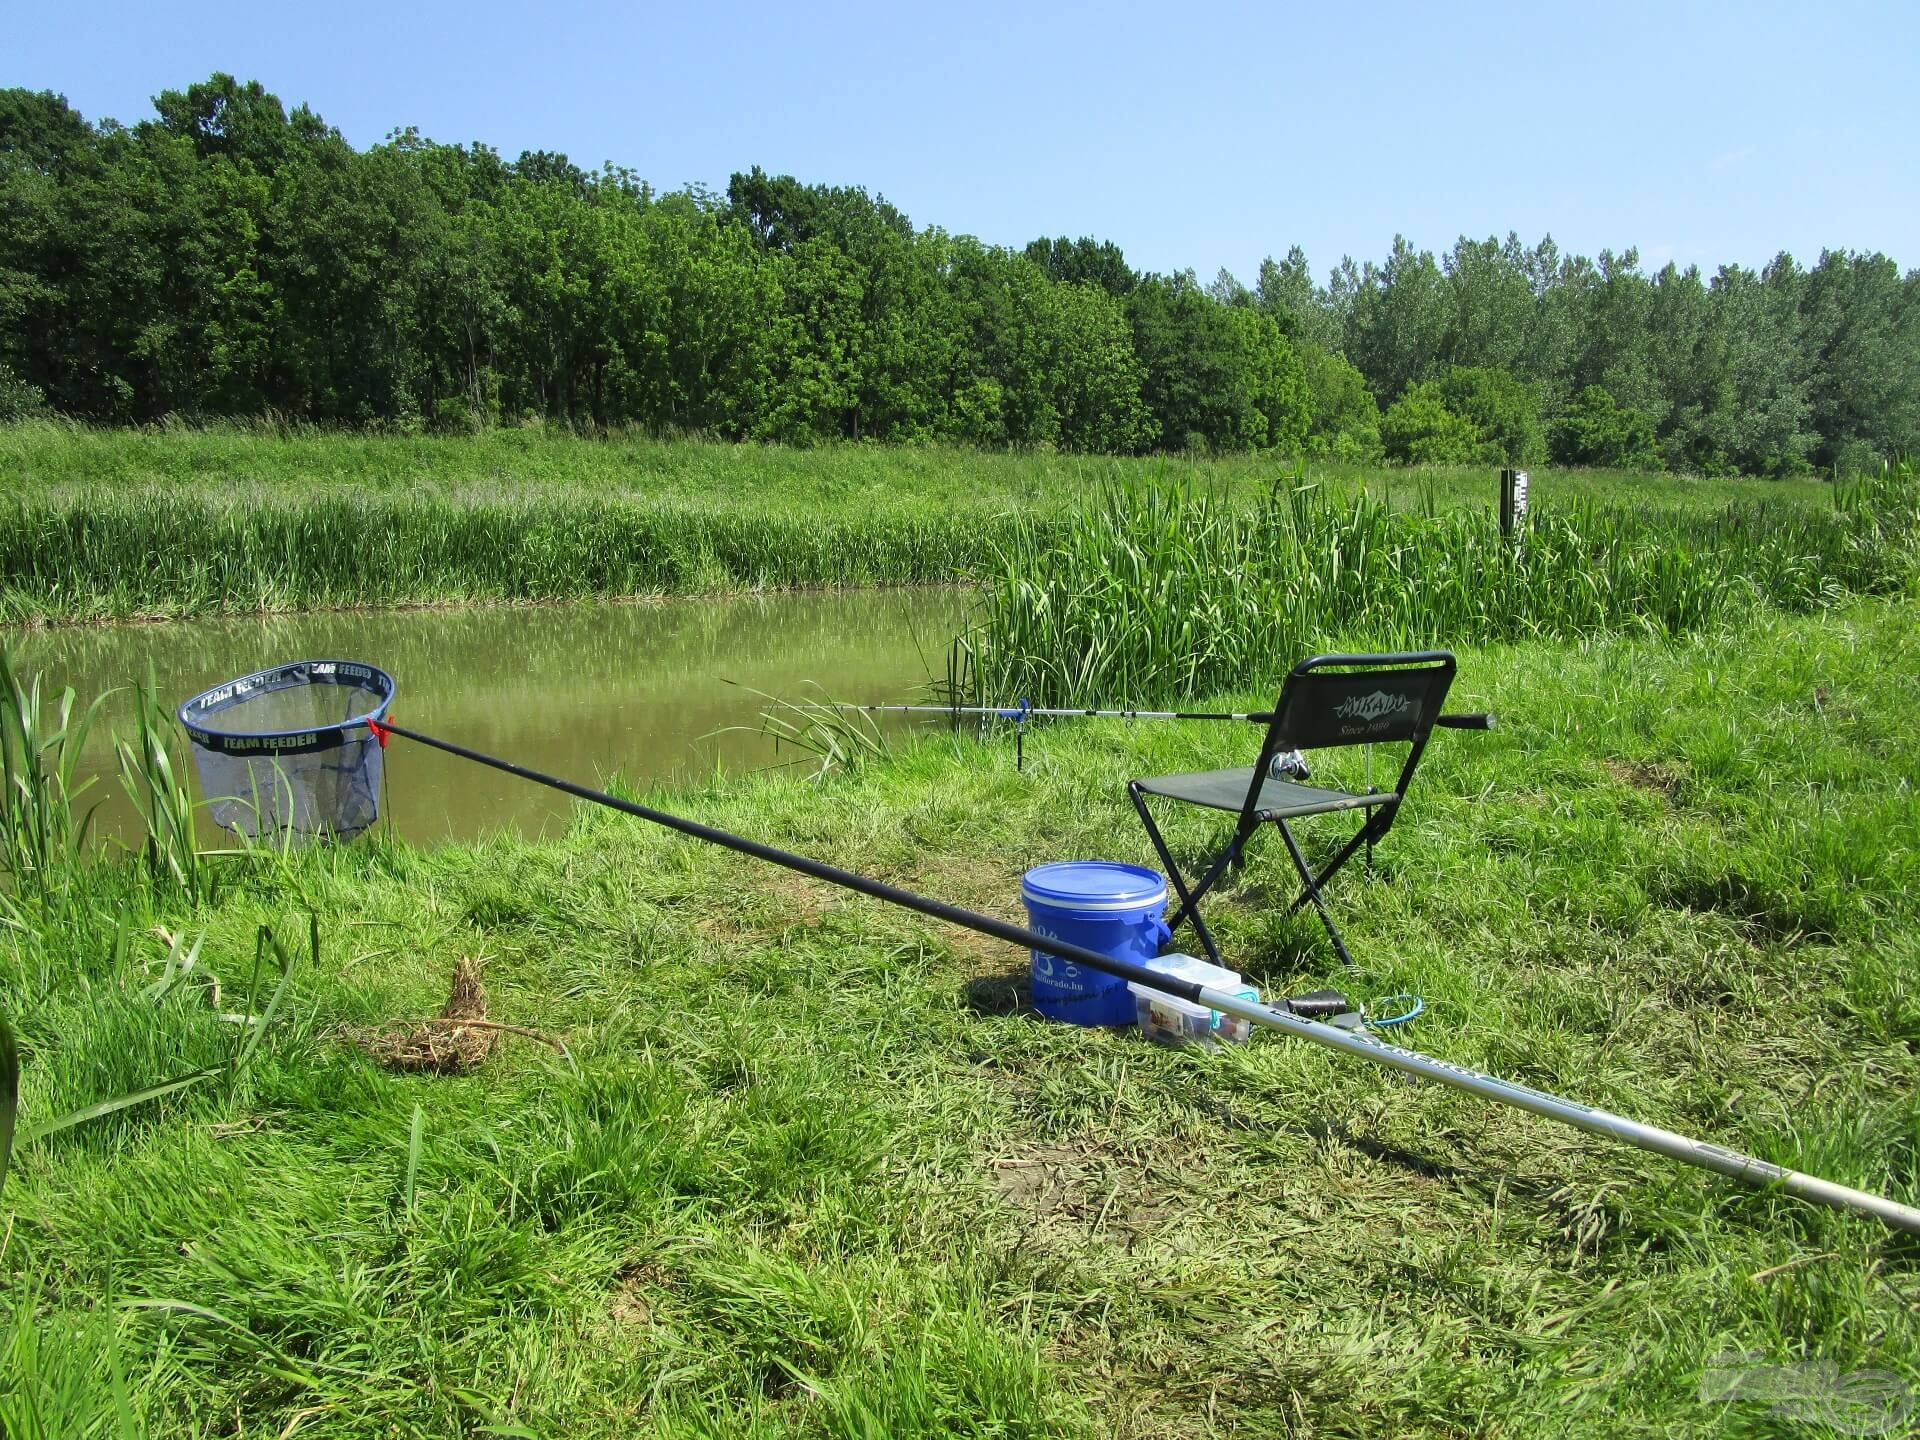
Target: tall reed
<point>1160,592</point>
<point>153,771</point>
<point>119,553</point>
<point>43,827</point>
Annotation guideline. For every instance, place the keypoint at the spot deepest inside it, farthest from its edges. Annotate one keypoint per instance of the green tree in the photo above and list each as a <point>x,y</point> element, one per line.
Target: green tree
<point>1306,315</point>
<point>1277,409</point>
<point>224,119</point>
<point>1689,356</point>
<point>1547,352</point>
<point>545,236</point>
<point>1099,403</point>
<point>1046,364</point>
<point>1766,425</point>
<point>1502,409</point>
<point>1217,377</point>
<point>1613,344</point>
<point>1419,429</point>
<point>1345,422</point>
<point>816,358</point>
<point>1490,304</point>
<point>228,255</point>
<point>1084,261</point>
<point>1595,429</point>
<point>1187,356</point>
<point>1399,319</point>
<point>1861,355</point>
<point>1012,377</point>
<point>47,153</point>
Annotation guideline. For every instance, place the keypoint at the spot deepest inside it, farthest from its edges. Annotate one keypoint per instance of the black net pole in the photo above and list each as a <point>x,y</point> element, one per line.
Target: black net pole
<point>820,870</point>
<point>1282,1016</point>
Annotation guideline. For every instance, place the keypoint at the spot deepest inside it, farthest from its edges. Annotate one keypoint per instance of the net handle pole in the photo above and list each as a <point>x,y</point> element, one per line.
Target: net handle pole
<point>1719,1159</point>
<point>1708,1156</point>
<point>820,870</point>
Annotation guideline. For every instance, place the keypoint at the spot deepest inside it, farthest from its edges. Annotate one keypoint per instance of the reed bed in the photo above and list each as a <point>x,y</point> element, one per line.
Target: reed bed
<point>1163,592</point>
<point>110,556</point>
<point>115,524</point>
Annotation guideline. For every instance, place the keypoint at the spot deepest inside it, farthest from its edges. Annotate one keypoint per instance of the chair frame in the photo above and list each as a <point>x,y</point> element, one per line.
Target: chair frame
<point>1296,724</point>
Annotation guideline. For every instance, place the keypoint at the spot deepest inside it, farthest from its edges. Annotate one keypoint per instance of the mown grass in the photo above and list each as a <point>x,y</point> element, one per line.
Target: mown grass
<point>812,1170</point>
<point>103,524</point>
<point>1159,592</point>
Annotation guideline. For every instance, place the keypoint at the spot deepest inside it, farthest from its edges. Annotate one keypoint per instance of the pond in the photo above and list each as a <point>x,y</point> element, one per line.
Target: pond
<point>653,692</point>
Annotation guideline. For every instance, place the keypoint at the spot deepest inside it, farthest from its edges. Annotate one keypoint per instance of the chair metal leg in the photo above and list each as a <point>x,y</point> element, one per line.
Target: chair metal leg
<point>1368,833</point>
<point>1229,858</point>
<point>1190,908</point>
<point>1313,893</point>
<point>1189,900</point>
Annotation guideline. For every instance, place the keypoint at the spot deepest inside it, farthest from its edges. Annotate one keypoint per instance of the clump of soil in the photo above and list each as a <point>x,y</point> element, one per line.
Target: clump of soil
<point>454,1042</point>
<point>1662,780</point>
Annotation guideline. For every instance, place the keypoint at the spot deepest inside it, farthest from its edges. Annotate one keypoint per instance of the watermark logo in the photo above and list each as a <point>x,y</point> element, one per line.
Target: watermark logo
<point>1816,1392</point>
<point>1372,707</point>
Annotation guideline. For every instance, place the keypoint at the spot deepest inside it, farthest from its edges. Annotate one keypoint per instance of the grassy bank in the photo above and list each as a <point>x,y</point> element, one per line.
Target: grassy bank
<point>1156,593</point>
<point>807,1167</point>
<point>105,524</point>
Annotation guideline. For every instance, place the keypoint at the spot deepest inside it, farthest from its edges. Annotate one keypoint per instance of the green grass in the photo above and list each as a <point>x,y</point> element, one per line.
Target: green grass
<point>103,524</point>
<point>1158,592</point>
<point>810,1170</point>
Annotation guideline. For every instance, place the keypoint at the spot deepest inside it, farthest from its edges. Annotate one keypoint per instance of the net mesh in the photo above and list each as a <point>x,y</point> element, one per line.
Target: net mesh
<point>287,754</point>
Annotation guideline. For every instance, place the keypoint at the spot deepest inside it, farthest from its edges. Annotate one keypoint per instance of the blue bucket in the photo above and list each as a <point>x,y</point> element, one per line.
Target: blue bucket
<point>1114,909</point>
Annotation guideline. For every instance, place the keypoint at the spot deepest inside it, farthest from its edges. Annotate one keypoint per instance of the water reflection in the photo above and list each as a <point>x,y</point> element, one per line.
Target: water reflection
<point>579,690</point>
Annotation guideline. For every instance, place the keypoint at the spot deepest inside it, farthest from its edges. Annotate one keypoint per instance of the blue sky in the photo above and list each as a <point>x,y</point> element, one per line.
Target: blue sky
<point>1202,136</point>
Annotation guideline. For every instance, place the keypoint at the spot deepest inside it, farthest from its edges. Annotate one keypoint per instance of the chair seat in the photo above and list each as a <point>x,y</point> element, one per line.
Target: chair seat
<point>1279,799</point>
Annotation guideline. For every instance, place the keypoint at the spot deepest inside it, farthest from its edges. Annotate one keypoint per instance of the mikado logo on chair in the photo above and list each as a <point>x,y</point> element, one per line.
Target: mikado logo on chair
<point>1372,707</point>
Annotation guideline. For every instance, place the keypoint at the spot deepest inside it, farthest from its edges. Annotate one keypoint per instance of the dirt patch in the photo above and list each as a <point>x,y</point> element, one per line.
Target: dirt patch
<point>781,900</point>
<point>981,957</point>
<point>636,1294</point>
<point>1008,993</point>
<point>809,898</point>
<point>1090,1190</point>
<point>975,883</point>
<point>1043,1181</point>
<point>1649,775</point>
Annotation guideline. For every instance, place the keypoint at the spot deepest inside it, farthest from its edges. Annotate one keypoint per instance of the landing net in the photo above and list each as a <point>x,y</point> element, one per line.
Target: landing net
<point>289,753</point>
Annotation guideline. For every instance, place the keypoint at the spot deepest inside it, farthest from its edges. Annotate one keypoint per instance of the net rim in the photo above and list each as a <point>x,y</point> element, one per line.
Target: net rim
<point>216,698</point>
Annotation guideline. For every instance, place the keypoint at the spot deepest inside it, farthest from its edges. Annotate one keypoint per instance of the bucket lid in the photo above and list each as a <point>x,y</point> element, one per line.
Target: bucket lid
<point>1094,885</point>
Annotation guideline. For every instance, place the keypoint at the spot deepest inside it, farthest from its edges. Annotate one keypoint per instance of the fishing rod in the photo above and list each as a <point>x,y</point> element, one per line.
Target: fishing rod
<point>1306,1017</point>
<point>1024,711</point>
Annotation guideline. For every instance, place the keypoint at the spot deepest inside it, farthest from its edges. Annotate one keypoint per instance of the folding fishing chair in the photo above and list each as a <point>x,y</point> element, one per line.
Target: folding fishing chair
<point>1329,700</point>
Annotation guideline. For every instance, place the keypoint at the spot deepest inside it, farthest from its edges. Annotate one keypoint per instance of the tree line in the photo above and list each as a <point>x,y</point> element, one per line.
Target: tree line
<point>228,258</point>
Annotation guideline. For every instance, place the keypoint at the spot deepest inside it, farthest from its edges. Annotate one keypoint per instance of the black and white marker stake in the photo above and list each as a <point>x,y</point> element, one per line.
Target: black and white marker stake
<point>1279,1017</point>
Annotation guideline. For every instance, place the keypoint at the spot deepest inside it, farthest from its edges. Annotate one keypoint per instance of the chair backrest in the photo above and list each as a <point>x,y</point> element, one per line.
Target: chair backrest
<point>1332,700</point>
